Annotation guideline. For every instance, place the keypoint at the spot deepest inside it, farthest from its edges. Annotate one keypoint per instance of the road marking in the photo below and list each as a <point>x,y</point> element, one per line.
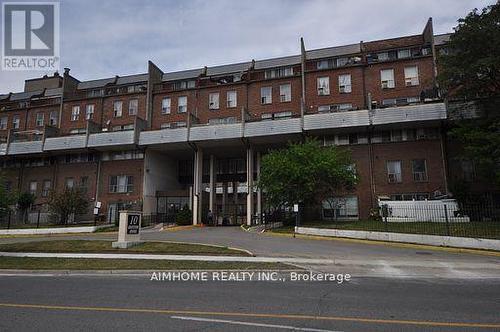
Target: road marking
<point>234,322</point>
<point>255,315</point>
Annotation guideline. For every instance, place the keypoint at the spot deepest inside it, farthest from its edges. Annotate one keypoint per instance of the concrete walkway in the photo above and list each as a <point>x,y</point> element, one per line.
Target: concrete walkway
<point>171,257</point>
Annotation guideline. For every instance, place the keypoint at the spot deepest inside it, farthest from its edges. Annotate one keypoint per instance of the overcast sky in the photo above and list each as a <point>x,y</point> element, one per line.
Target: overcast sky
<point>106,38</point>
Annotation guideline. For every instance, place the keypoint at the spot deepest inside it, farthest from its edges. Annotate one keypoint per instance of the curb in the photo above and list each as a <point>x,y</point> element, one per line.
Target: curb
<point>456,250</point>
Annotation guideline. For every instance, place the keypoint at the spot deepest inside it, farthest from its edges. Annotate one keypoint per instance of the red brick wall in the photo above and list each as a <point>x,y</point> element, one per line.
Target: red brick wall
<point>67,125</point>
<point>45,110</point>
<point>125,118</point>
<point>202,102</point>
<point>158,118</point>
<point>134,168</point>
<point>373,84</point>
<point>355,97</point>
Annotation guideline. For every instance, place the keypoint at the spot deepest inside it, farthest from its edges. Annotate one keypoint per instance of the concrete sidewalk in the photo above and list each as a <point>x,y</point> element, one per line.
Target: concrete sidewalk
<point>293,260</point>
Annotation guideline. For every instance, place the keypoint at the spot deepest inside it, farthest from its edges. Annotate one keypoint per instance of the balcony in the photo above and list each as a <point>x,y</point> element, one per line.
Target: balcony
<point>414,113</point>
<point>111,139</point>
<point>177,135</point>
<point>216,132</point>
<point>273,127</point>
<point>27,147</point>
<point>65,143</point>
<point>336,120</point>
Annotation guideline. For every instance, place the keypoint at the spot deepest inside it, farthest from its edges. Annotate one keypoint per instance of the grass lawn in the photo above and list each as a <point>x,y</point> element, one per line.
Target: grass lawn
<point>28,263</point>
<point>85,246</point>
<point>489,230</point>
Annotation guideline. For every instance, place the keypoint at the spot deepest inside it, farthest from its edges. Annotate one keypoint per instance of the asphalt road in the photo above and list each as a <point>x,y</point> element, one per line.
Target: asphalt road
<point>356,257</point>
<point>135,303</point>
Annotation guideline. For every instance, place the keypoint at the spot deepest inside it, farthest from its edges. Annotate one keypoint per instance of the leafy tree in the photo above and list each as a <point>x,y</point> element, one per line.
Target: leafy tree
<point>471,67</point>
<point>24,201</point>
<point>66,203</point>
<point>305,173</point>
<point>6,198</point>
<point>471,70</point>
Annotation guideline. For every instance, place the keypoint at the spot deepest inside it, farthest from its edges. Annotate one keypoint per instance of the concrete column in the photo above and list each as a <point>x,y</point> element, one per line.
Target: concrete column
<point>249,185</point>
<point>211,204</point>
<point>259,191</point>
<point>197,190</point>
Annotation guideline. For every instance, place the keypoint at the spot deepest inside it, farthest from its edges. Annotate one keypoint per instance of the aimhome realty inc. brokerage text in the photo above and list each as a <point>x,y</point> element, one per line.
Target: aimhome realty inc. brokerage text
<point>238,276</point>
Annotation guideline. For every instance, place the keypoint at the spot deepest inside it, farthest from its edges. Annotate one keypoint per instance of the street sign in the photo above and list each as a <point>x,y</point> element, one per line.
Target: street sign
<point>133,223</point>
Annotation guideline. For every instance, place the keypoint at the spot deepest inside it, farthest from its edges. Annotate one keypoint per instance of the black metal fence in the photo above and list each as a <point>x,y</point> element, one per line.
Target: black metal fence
<point>39,217</point>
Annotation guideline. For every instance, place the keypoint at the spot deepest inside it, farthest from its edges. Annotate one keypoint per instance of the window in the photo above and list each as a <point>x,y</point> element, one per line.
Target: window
<point>33,187</point>
<point>89,111</point>
<point>213,101</point>
<point>403,54</point>
<point>285,93</point>
<point>117,108</point>
<point>340,207</point>
<point>411,76</point>
<point>419,169</point>
<point>121,184</point>
<point>3,122</point>
<point>133,105</point>
<point>396,135</point>
<point>323,86</point>
<point>75,113</point>
<point>266,95</point>
<point>84,184</point>
<point>69,183</point>
<point>16,122</point>
<point>232,99</point>
<point>46,188</point>
<point>182,104</point>
<point>394,171</point>
<point>166,105</point>
<point>39,119</point>
<point>276,116</point>
<point>53,118</point>
<point>387,78</point>
<point>345,83</point>
<point>181,85</point>
<point>228,120</point>
<point>324,64</point>
<point>279,72</point>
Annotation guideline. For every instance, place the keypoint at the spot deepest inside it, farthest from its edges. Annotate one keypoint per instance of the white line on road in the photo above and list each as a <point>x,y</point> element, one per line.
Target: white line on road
<point>234,322</point>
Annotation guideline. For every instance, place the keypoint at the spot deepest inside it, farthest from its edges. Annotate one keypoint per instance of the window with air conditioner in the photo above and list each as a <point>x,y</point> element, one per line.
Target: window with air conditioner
<point>117,108</point>
<point>182,104</point>
<point>387,78</point>
<point>89,111</point>
<point>285,93</point>
<point>411,76</point>
<point>323,86</point>
<point>266,95</point>
<point>47,184</point>
<point>231,99</point>
<point>75,113</point>
<point>53,118</point>
<point>419,169</point>
<point>133,106</point>
<point>213,101</point>
<point>345,83</point>
<point>166,105</point>
<point>394,171</point>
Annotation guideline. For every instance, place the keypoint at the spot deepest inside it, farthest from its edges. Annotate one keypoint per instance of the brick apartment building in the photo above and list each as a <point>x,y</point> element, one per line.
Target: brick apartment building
<point>157,141</point>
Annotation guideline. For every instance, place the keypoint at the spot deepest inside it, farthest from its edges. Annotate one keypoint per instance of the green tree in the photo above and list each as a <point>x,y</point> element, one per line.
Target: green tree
<point>66,203</point>
<point>471,70</point>
<point>306,173</point>
<point>6,198</point>
<point>24,201</point>
<point>471,66</point>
